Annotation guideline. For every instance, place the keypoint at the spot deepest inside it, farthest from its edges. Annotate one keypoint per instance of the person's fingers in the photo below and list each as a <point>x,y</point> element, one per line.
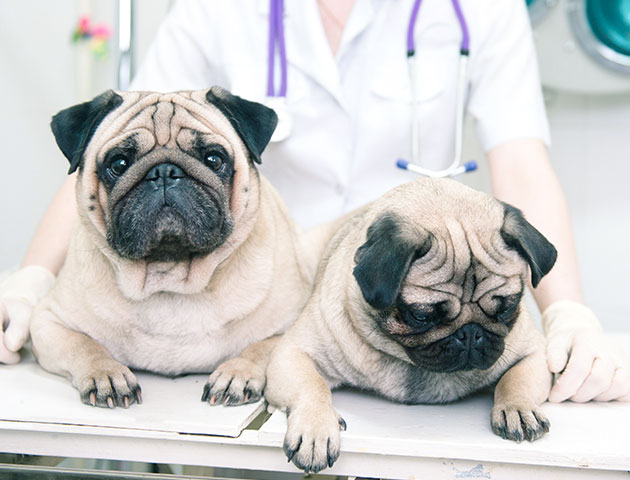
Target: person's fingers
<point>17,332</point>
<point>577,370</point>
<point>6,355</point>
<point>598,381</point>
<point>619,387</point>
<point>558,347</point>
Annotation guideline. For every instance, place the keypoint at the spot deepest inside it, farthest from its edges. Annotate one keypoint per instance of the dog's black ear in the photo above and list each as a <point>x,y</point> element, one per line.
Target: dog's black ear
<point>253,121</point>
<point>383,261</point>
<point>73,127</point>
<point>520,235</point>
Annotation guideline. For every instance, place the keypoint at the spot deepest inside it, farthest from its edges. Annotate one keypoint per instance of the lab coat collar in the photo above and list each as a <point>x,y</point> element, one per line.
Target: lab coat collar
<point>361,17</point>
<point>306,43</point>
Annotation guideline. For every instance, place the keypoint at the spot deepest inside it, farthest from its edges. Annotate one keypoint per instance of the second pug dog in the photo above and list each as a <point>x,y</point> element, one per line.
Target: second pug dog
<point>419,298</point>
<point>183,256</point>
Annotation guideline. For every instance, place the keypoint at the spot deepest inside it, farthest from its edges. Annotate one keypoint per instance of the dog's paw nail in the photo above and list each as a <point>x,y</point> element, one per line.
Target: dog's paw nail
<point>110,402</point>
<point>93,399</point>
<point>138,395</point>
<point>342,425</point>
<point>206,393</point>
<point>126,401</point>
<point>213,399</point>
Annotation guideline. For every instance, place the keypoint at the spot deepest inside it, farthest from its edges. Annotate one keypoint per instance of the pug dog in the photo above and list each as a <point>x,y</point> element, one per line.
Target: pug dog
<point>183,257</point>
<point>419,298</point>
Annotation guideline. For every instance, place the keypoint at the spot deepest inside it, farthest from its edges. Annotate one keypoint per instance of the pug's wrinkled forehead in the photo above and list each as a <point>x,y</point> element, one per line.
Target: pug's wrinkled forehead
<point>146,121</point>
<point>448,241</point>
<point>81,130</point>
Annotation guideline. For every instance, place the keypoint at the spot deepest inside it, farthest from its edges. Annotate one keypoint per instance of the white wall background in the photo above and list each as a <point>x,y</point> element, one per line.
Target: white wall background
<point>41,73</point>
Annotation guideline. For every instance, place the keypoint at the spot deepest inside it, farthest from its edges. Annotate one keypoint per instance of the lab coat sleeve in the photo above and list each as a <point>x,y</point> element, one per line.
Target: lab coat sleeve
<point>182,56</point>
<point>505,90</point>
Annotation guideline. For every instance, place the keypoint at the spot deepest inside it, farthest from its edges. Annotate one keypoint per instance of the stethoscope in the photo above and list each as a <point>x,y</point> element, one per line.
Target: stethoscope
<point>277,100</point>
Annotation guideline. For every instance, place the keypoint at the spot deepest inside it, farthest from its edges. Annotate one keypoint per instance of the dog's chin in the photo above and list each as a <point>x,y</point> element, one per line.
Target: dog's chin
<point>174,249</point>
<point>170,236</point>
<point>448,355</point>
<point>459,364</point>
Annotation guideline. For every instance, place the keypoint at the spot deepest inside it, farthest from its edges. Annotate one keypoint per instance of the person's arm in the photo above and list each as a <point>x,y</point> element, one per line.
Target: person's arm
<point>49,245</point>
<point>522,176</point>
<point>593,367</point>
<point>44,258</point>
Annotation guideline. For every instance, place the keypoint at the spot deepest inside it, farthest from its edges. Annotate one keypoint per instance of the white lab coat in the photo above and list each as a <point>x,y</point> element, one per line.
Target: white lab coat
<point>351,112</point>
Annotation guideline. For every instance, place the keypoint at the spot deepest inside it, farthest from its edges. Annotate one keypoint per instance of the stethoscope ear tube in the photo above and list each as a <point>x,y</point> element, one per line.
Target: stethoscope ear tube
<point>276,38</point>
<point>455,168</point>
<point>277,100</point>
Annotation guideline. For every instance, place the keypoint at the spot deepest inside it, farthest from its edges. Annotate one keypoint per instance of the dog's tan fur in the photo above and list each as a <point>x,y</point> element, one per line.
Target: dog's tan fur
<point>107,313</point>
<point>336,340</point>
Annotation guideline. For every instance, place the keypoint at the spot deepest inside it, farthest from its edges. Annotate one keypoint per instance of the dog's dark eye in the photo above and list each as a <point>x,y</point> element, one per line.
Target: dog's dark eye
<point>423,317</point>
<point>214,161</point>
<point>507,306</point>
<point>118,165</point>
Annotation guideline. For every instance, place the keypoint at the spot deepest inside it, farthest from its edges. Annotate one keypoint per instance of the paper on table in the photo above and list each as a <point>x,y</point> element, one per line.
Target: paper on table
<point>30,394</point>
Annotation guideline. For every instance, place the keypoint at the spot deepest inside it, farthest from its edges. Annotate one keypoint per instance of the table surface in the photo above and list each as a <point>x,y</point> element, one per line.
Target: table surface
<point>40,413</point>
<point>32,395</point>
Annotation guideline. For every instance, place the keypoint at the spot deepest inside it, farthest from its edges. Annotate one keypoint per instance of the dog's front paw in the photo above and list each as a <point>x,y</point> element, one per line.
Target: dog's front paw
<point>519,422</point>
<point>235,382</point>
<point>312,440</point>
<point>110,384</point>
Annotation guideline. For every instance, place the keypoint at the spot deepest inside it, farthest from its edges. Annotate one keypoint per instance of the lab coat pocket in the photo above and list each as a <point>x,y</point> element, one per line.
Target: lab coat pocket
<point>393,80</point>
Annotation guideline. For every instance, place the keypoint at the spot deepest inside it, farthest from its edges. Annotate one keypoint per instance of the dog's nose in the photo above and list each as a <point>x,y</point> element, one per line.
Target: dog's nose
<point>164,174</point>
<point>470,334</point>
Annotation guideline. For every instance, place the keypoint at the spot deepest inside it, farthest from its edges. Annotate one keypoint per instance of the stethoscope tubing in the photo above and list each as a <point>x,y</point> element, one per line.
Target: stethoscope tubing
<point>465,43</point>
<point>276,39</point>
<point>455,168</point>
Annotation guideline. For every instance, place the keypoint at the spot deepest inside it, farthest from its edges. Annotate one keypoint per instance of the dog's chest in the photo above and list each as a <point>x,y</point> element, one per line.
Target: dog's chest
<point>172,334</point>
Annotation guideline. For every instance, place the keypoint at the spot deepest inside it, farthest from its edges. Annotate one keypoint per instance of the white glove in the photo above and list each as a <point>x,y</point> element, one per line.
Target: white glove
<point>593,366</point>
<point>19,293</point>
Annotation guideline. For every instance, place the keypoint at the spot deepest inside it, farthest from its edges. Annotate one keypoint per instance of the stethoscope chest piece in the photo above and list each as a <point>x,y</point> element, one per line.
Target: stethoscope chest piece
<point>285,122</point>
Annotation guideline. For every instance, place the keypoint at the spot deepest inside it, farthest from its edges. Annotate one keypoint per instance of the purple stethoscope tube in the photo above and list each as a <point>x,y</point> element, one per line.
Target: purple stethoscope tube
<point>276,38</point>
<point>465,44</point>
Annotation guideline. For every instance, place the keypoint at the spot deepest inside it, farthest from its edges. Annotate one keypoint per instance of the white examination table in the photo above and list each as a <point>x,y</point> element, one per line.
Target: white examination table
<point>41,414</point>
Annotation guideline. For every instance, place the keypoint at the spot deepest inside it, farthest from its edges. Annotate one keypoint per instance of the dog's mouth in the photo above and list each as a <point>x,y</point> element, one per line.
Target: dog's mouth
<point>172,239</point>
<point>189,222</point>
<point>470,348</point>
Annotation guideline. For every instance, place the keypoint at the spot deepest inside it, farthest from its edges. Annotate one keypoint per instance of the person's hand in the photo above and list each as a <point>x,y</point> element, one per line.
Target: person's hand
<point>591,365</point>
<point>18,295</point>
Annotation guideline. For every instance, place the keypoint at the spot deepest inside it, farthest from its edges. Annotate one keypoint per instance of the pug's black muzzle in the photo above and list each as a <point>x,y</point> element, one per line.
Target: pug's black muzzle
<point>470,347</point>
<point>168,216</point>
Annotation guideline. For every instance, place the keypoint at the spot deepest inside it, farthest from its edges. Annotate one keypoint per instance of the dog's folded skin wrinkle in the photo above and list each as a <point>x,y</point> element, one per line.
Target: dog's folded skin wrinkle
<point>417,324</point>
<point>184,259</point>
